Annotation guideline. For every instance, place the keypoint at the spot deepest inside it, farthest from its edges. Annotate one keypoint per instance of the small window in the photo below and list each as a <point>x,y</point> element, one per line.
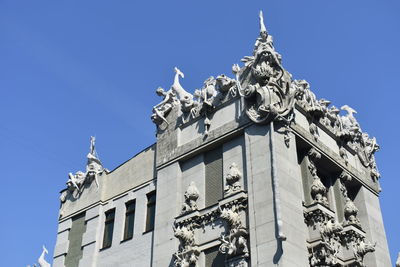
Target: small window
<point>108,228</point>
<point>129,219</point>
<point>151,211</point>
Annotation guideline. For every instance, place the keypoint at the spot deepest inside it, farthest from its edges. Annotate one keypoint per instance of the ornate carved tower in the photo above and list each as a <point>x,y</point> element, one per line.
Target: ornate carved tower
<point>299,180</point>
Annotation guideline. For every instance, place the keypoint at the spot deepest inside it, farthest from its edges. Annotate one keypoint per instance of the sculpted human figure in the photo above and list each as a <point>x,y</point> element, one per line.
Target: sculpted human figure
<point>162,109</point>
<point>76,180</point>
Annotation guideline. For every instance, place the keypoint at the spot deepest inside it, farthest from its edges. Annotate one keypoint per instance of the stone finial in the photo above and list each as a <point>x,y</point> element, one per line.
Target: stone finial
<point>232,180</point>
<point>263,29</point>
<point>191,195</point>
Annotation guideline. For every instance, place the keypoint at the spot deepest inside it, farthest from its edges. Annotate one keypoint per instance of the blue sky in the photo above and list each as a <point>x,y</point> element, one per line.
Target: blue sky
<point>71,69</point>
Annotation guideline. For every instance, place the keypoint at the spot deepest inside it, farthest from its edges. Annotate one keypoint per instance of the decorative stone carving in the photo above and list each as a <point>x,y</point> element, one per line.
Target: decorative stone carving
<point>318,189</point>
<point>191,195</point>
<point>343,155</point>
<point>94,167</point>
<point>361,248</point>
<point>42,261</point>
<point>350,210</point>
<point>398,261</point>
<point>161,110</point>
<point>185,98</point>
<point>267,93</point>
<point>232,180</point>
<point>325,254</point>
<point>314,131</point>
<point>188,252</point>
<point>233,243</point>
<point>324,244</point>
<point>226,85</point>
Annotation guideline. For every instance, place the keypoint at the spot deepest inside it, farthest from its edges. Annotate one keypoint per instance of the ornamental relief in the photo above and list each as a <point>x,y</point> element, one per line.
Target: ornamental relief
<point>231,210</point>
<point>332,243</point>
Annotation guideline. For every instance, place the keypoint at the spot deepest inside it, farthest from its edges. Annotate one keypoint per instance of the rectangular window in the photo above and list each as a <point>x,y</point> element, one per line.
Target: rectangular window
<point>129,219</point>
<point>108,228</point>
<point>213,173</point>
<point>151,211</point>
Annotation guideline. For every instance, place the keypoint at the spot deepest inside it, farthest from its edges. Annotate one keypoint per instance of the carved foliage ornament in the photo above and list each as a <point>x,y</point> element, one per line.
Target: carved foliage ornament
<point>335,237</point>
<point>232,180</point>
<point>233,241</point>
<point>318,189</point>
<point>191,195</point>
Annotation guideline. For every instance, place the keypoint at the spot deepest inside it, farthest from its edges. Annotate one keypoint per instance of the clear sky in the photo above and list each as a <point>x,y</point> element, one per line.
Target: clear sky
<point>71,69</point>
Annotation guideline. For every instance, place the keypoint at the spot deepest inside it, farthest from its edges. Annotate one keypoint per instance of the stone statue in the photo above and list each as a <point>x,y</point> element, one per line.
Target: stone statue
<point>161,110</point>
<point>42,262</point>
<point>225,85</point>
<point>94,167</point>
<point>349,125</point>
<point>184,97</point>
<point>76,180</point>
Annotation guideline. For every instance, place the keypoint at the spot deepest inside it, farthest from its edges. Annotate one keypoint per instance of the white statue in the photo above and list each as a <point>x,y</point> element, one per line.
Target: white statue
<point>161,110</point>
<point>42,262</point>
<point>349,122</point>
<point>93,168</point>
<point>185,98</point>
<point>76,180</point>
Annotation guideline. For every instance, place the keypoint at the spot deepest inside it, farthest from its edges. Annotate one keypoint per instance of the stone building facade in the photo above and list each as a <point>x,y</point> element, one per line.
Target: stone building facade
<point>246,171</point>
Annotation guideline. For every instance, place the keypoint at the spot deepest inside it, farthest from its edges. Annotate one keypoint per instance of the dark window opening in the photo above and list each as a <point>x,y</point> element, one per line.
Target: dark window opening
<point>151,211</point>
<point>108,228</point>
<point>214,176</point>
<point>129,219</point>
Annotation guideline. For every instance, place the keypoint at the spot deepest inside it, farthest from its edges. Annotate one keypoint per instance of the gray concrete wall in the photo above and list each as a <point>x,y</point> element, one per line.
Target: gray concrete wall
<point>265,248</point>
